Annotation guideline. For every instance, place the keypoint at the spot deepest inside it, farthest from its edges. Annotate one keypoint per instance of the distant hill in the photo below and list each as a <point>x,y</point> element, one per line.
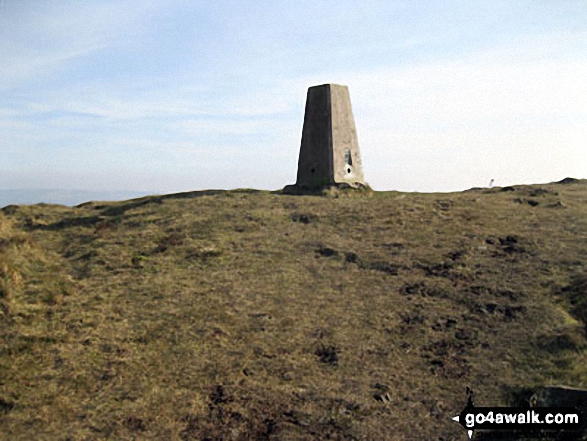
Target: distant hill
<point>61,196</point>
<point>245,315</point>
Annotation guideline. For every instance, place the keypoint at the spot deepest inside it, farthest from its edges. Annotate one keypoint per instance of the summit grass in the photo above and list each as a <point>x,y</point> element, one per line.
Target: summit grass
<point>247,314</point>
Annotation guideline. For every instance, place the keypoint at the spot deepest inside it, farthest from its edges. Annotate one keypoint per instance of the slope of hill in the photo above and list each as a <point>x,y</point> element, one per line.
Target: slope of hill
<point>255,315</point>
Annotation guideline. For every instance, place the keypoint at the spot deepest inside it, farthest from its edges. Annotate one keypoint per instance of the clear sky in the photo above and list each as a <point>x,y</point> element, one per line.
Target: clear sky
<point>172,95</point>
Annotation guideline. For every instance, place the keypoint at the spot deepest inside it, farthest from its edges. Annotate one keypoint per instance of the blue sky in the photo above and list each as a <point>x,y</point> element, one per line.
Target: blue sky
<point>164,96</point>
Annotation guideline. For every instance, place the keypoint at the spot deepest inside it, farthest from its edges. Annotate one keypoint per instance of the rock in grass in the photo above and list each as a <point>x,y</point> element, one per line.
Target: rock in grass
<point>559,396</point>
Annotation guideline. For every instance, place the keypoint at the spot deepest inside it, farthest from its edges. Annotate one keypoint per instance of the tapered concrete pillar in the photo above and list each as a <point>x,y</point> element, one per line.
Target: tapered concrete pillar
<point>329,153</point>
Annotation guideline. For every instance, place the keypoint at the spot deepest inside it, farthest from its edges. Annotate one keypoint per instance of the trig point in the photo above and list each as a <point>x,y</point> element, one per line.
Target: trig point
<point>329,154</point>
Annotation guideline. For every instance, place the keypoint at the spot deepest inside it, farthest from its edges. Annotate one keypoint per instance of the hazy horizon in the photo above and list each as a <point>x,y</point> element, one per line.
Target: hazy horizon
<point>162,97</point>
<point>72,197</point>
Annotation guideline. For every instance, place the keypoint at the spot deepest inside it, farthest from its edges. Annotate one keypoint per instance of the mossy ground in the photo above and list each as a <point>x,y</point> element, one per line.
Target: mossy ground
<point>257,315</point>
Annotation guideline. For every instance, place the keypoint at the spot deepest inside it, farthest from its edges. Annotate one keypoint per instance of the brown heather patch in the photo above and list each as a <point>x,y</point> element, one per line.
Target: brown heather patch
<point>254,315</point>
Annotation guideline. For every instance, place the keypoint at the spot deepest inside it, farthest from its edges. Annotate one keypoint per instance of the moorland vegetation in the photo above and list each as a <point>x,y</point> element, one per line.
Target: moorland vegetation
<point>255,315</point>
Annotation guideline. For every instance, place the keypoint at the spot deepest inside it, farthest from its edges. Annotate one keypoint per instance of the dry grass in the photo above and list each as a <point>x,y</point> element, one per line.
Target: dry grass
<point>251,315</point>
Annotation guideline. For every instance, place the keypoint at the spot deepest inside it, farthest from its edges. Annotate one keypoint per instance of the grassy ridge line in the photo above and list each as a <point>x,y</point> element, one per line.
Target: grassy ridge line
<point>248,315</point>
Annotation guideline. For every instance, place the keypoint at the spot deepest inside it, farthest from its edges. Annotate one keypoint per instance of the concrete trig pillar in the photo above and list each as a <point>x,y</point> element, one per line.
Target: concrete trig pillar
<point>329,153</point>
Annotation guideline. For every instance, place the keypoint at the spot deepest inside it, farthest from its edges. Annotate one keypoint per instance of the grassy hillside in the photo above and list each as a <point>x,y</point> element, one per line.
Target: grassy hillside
<point>253,315</point>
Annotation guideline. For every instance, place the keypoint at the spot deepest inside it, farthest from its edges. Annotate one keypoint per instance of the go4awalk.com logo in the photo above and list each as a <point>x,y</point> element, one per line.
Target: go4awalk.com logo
<point>537,420</point>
